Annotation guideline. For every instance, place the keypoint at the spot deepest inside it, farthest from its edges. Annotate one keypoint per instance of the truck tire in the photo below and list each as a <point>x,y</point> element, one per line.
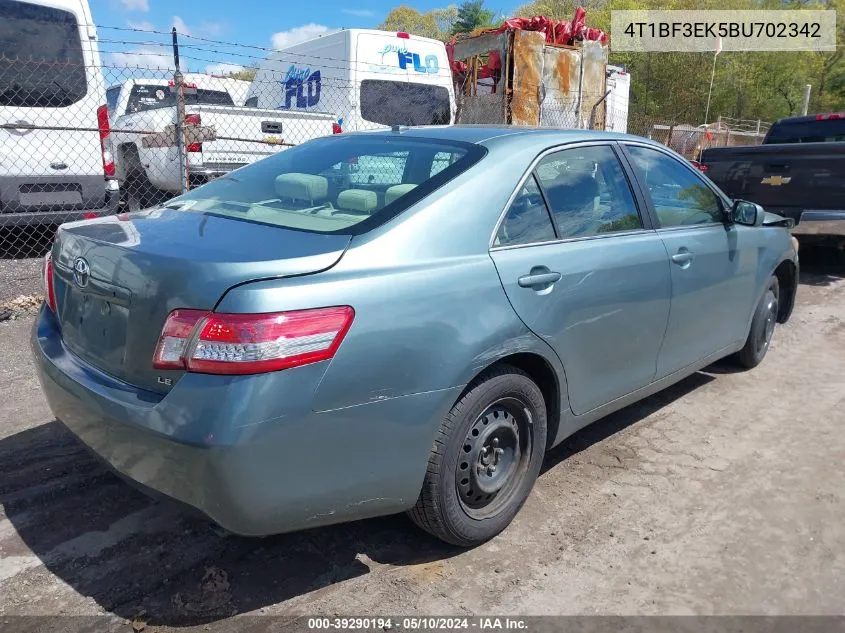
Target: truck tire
<point>485,459</point>
<point>762,327</point>
<point>137,191</point>
<point>141,194</point>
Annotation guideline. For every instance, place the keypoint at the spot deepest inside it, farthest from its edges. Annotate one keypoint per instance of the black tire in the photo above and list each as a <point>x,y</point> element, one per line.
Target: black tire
<point>137,192</point>
<point>762,327</point>
<point>141,194</point>
<point>504,409</point>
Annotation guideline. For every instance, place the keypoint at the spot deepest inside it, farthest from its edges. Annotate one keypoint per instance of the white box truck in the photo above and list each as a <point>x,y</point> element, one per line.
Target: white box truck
<point>369,79</point>
<point>619,84</point>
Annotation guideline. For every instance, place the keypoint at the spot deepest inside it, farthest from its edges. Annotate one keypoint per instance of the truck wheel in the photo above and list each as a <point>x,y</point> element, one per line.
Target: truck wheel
<point>762,327</point>
<point>137,192</point>
<point>141,194</point>
<point>486,457</point>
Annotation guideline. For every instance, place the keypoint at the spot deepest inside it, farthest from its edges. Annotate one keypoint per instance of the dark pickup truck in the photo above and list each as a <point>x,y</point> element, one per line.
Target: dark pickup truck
<point>798,172</point>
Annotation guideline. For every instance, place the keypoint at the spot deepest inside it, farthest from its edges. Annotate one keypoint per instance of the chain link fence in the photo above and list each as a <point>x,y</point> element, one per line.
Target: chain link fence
<point>103,120</point>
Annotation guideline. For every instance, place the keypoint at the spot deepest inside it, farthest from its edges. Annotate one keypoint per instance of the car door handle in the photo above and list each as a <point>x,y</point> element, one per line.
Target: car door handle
<point>538,279</point>
<point>682,258</point>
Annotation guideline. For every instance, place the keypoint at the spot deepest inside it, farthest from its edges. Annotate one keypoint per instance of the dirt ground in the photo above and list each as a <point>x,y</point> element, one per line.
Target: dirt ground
<point>722,495</point>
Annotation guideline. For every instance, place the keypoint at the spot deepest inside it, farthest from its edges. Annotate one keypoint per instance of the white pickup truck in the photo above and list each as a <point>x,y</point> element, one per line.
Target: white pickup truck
<point>142,108</point>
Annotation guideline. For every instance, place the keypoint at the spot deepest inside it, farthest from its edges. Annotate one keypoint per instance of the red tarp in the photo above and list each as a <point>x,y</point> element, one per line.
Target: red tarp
<point>555,31</point>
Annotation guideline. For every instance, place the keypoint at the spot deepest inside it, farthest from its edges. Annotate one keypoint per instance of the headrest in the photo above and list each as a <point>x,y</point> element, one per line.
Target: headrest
<point>302,186</point>
<point>360,200</point>
<point>573,190</point>
<point>395,192</point>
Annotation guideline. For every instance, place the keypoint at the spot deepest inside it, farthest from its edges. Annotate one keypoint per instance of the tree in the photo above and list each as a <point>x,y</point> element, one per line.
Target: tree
<point>445,20</point>
<point>409,20</point>
<point>247,74</point>
<point>436,24</point>
<point>471,16</point>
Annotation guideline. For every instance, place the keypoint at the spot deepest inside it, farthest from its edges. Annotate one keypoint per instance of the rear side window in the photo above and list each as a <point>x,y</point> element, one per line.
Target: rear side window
<point>403,103</point>
<point>41,61</point>
<point>679,196</point>
<point>820,131</point>
<point>527,220</point>
<point>337,184</point>
<point>149,97</point>
<point>588,192</point>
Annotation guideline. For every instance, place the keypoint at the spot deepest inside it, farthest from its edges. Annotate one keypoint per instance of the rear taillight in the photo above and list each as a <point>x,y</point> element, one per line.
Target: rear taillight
<point>105,145</point>
<point>174,337</point>
<point>49,287</point>
<point>217,343</point>
<point>193,120</point>
<point>830,117</point>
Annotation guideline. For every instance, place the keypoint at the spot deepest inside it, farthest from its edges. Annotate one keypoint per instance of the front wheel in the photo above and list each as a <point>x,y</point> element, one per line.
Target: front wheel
<point>486,457</point>
<point>762,327</point>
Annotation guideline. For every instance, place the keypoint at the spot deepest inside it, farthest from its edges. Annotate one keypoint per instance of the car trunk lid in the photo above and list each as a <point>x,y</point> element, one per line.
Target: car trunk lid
<point>118,277</point>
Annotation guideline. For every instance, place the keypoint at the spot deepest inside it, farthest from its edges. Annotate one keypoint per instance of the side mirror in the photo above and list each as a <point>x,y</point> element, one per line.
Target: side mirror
<point>747,213</point>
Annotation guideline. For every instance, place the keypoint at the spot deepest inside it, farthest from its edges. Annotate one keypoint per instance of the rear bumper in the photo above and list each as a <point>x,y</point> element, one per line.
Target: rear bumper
<point>15,215</point>
<point>813,222</point>
<point>248,451</point>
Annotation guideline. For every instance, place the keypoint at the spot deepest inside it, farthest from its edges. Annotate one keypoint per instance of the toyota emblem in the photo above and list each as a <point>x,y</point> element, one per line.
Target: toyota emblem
<point>81,272</point>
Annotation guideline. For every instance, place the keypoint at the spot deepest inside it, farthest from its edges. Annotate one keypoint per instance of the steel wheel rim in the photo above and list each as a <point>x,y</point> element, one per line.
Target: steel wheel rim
<point>494,457</point>
<point>768,328</point>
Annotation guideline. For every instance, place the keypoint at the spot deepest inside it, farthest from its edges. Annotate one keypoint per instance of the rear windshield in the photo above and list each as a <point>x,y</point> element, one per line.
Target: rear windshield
<point>823,131</point>
<point>339,184</point>
<point>149,97</point>
<point>41,62</point>
<point>402,103</point>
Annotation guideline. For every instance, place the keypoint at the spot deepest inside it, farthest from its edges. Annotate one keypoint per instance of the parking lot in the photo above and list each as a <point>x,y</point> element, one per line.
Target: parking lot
<point>723,495</point>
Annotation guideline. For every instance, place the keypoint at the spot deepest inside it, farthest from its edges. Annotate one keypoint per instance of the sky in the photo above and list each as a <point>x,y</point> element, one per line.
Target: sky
<point>253,22</point>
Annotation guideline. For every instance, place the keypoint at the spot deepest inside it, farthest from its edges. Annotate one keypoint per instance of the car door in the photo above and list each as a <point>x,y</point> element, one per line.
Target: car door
<point>584,270</point>
<point>713,263</point>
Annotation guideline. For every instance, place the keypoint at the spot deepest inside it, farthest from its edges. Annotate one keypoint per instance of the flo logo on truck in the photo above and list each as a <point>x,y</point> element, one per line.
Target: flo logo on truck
<point>303,85</point>
<point>427,65</point>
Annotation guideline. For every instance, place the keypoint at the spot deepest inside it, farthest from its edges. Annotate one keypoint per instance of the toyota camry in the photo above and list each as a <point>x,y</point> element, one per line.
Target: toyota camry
<point>399,321</point>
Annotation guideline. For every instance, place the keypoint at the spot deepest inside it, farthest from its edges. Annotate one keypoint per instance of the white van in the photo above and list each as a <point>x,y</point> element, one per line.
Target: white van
<point>55,158</point>
<point>368,79</point>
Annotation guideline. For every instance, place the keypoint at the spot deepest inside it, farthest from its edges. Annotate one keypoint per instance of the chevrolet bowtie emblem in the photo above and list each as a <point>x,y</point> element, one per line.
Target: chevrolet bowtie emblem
<point>776,181</point>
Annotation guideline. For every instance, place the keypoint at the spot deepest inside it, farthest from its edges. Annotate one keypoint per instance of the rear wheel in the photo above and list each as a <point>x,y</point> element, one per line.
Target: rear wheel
<point>485,460</point>
<point>137,192</point>
<point>141,194</point>
<point>762,327</point>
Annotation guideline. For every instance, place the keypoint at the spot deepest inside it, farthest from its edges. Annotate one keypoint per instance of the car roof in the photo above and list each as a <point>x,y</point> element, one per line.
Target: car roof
<point>479,134</point>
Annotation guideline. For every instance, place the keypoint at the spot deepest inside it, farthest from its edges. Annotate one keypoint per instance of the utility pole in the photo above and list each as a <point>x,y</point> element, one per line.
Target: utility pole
<point>806,105</point>
<point>179,87</point>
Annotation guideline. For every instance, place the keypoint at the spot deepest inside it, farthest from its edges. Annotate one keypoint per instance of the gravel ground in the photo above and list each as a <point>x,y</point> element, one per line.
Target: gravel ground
<point>21,253</point>
<point>722,495</point>
<point>19,277</point>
